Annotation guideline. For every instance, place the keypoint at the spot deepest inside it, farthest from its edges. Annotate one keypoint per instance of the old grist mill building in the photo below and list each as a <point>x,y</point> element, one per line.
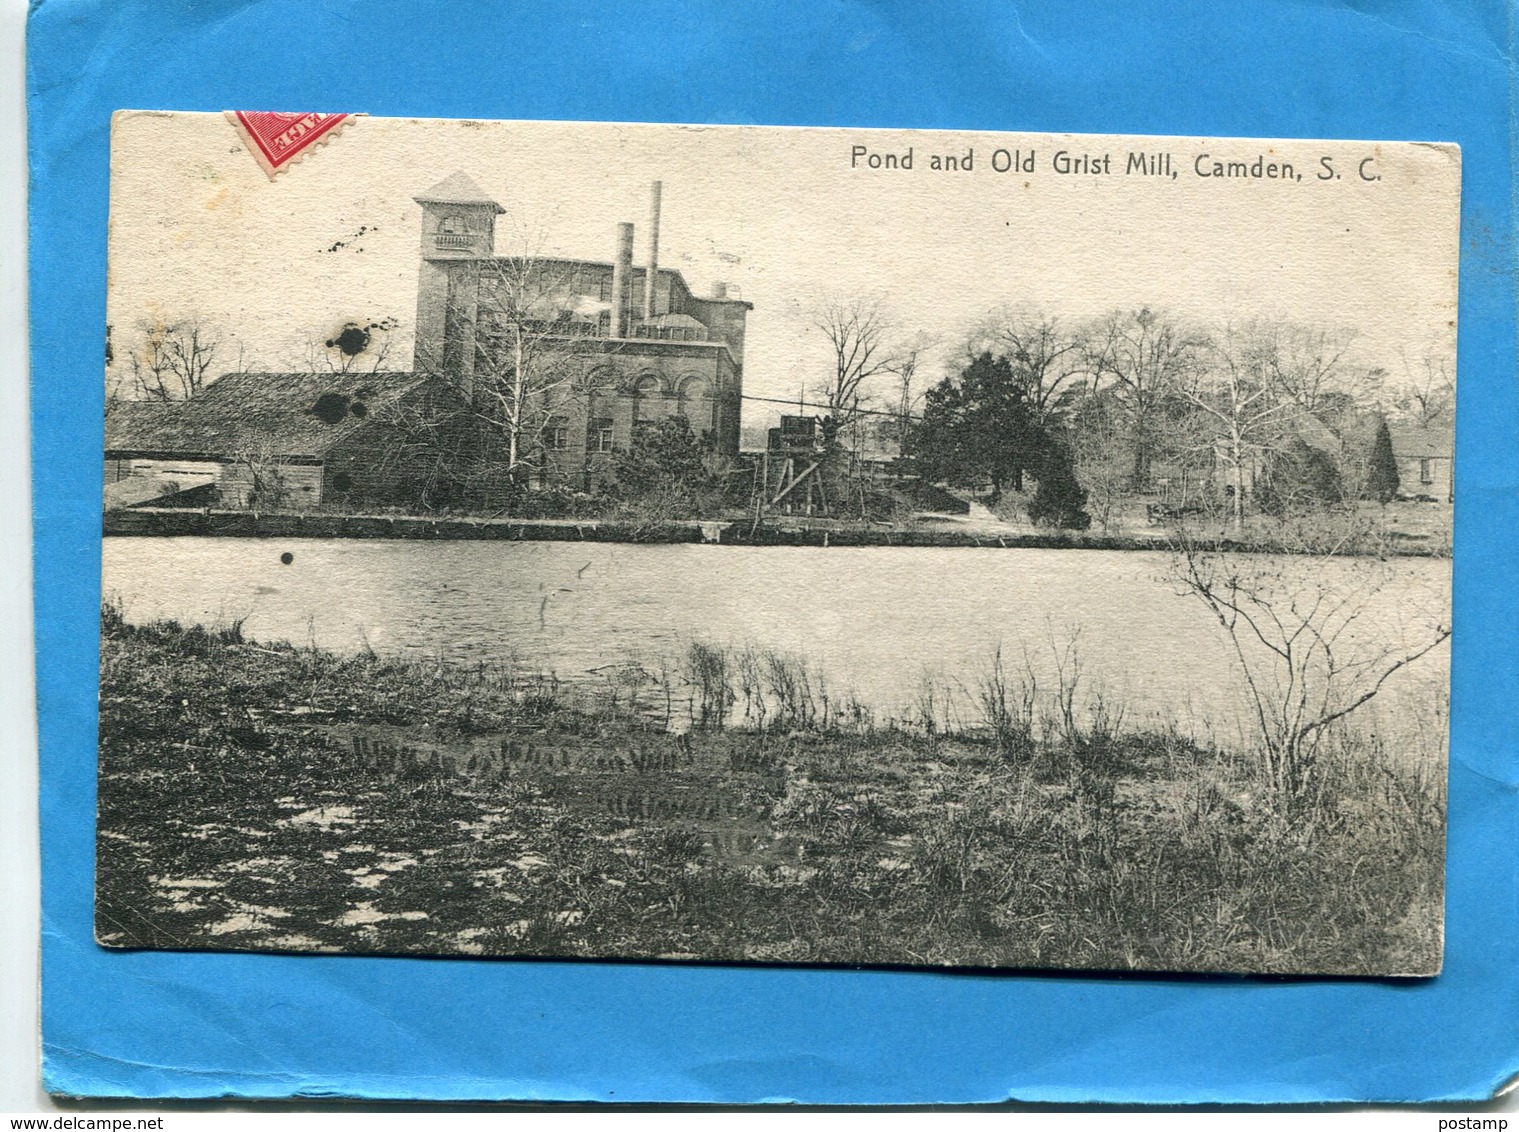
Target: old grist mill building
<point>638,352</point>
<point>603,348</point>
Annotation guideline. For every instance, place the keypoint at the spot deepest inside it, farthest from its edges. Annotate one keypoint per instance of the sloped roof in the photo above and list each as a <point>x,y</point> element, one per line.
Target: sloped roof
<point>681,321</point>
<point>1315,433</point>
<point>131,419</point>
<point>281,414</point>
<point>456,188</point>
<point>1417,442</point>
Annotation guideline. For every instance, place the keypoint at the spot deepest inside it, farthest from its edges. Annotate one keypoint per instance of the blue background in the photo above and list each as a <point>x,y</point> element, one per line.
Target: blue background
<point>203,1025</point>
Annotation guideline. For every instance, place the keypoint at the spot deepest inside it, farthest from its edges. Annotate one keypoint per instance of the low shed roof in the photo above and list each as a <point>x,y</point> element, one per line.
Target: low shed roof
<point>1422,442</point>
<point>279,414</point>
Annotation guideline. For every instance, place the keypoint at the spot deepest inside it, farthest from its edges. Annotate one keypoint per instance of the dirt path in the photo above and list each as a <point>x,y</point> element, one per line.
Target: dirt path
<point>980,520</point>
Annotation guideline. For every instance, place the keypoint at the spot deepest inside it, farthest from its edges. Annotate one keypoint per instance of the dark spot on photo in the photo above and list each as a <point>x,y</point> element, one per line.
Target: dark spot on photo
<point>330,408</point>
<point>353,340</point>
<point>287,558</point>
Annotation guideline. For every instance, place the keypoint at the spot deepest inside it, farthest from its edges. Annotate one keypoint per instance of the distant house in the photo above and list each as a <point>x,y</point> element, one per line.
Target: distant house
<point>286,440</point>
<point>1426,459</point>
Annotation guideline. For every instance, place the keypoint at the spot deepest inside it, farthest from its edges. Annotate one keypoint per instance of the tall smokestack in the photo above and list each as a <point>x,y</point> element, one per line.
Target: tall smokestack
<point>651,281</point>
<point>622,271</point>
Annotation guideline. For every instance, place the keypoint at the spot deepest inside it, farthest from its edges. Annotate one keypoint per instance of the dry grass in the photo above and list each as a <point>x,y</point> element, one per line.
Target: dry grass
<point>491,811</point>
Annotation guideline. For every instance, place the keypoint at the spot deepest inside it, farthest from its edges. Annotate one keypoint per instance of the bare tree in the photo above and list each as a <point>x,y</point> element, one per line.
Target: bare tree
<point>1310,364</point>
<point>1430,392</point>
<point>529,357</point>
<point>171,361</point>
<point>858,331</point>
<point>1050,359</point>
<point>267,486</point>
<point>1243,410</point>
<point>1306,646</point>
<point>905,364</point>
<point>1144,355</point>
<point>1097,436</point>
<point>535,341</point>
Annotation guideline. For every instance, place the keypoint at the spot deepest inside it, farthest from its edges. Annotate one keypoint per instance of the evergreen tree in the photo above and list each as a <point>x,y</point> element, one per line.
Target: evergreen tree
<point>1059,501</point>
<point>665,452</point>
<point>1382,468</point>
<point>979,426</point>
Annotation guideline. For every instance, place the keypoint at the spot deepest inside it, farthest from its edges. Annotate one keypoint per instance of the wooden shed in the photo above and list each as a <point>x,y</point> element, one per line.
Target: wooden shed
<point>289,440</point>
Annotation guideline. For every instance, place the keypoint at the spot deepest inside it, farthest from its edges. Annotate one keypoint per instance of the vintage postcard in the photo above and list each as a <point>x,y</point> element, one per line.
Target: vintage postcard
<point>785,545</point>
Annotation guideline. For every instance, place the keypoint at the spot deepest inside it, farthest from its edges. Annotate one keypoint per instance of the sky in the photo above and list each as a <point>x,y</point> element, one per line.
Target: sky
<point>791,218</point>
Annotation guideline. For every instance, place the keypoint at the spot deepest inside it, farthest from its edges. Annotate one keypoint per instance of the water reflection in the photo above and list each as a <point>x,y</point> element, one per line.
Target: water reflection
<point>875,620</point>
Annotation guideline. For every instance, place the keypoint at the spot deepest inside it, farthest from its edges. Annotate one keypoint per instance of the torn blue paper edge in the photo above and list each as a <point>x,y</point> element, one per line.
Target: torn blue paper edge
<point>201,1025</point>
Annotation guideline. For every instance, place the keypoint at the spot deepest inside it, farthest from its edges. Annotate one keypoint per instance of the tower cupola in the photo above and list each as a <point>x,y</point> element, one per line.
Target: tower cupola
<point>458,220</point>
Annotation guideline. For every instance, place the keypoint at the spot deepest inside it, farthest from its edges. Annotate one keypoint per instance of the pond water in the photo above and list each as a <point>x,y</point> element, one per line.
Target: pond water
<point>877,621</point>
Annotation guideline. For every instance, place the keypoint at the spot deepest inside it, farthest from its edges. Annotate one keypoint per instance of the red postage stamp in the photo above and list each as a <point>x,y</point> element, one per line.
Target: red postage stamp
<point>279,140</point>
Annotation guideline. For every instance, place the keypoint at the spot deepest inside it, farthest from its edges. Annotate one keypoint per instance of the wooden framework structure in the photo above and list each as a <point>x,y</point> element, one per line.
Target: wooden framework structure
<point>790,481</point>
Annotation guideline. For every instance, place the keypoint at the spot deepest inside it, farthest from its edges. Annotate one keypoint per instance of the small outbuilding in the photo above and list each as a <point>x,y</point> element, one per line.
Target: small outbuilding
<point>1426,460</point>
<point>288,440</point>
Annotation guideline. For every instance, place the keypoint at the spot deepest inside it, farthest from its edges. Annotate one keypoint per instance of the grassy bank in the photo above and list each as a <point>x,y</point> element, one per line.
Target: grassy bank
<point>262,796</point>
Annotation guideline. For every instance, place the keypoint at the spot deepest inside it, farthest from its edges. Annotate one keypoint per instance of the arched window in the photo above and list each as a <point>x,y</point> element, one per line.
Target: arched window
<point>648,404</point>
<point>453,232</point>
<point>600,381</point>
<point>646,399</point>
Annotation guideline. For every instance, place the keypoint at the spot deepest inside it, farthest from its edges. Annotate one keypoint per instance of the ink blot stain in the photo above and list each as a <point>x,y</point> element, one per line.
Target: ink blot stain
<point>353,340</point>
<point>287,558</point>
<point>330,407</point>
<point>359,409</point>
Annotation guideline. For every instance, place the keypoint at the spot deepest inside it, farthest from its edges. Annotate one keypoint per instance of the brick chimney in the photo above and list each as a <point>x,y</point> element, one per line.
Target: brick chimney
<point>651,280</point>
<point>622,272</point>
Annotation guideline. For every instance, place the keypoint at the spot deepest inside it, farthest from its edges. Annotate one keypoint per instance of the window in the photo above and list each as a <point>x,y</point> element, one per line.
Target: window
<point>1426,471</point>
<point>453,232</point>
<point>601,434</point>
<point>556,434</point>
<point>647,391</point>
<point>606,289</point>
